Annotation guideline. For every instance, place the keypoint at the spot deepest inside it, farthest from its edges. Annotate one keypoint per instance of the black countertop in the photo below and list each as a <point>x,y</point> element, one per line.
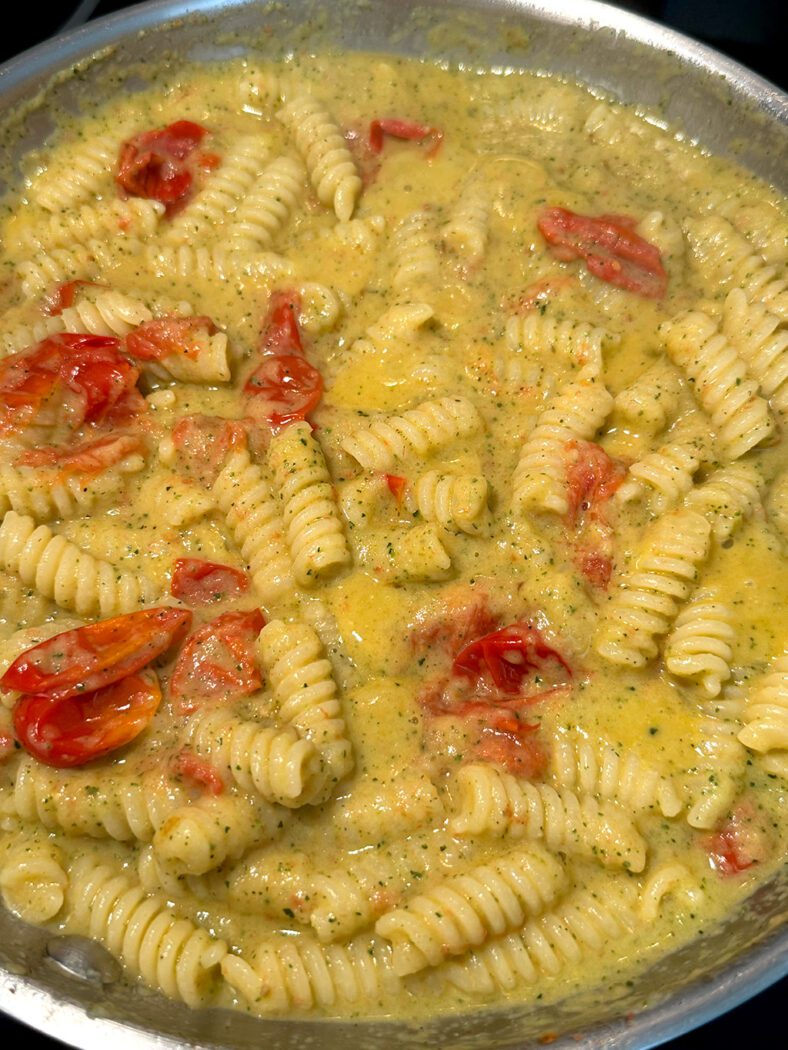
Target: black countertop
<point>751,32</point>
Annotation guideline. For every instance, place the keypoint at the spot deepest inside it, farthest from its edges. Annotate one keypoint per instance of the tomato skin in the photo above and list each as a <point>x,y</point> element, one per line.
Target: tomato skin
<point>218,660</point>
<point>87,458</point>
<point>204,442</point>
<point>154,164</point>
<point>200,582</point>
<point>165,336</point>
<point>62,297</point>
<point>609,247</point>
<point>71,731</point>
<point>281,334</point>
<point>595,565</point>
<point>739,843</point>
<point>488,656</point>
<point>199,772</point>
<point>92,657</point>
<point>592,477</point>
<point>407,130</point>
<point>396,486</point>
<point>289,389</point>
<point>90,367</point>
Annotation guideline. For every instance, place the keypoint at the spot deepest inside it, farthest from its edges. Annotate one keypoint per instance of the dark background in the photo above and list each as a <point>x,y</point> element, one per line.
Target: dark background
<point>752,31</point>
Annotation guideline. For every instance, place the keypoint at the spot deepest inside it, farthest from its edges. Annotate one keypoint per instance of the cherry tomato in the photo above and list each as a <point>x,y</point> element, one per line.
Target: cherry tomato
<point>466,615</point>
<point>87,368</point>
<point>202,582</point>
<point>507,656</point>
<point>70,731</point>
<point>288,388</point>
<point>739,844</point>
<point>203,444</point>
<point>198,772</point>
<point>62,297</point>
<point>156,164</point>
<point>610,248</point>
<point>403,129</point>
<point>595,565</point>
<point>87,458</point>
<point>591,477</point>
<point>88,658</point>
<point>396,486</point>
<point>165,336</point>
<point>281,334</point>
<point>218,661</point>
<point>509,742</point>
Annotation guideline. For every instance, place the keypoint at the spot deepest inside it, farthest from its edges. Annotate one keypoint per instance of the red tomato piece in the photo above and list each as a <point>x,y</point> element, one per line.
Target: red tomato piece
<point>596,566</point>
<point>467,615</point>
<point>281,334</point>
<point>203,582</point>
<point>62,297</point>
<point>155,164</point>
<point>218,661</point>
<point>89,658</point>
<point>166,336</point>
<point>87,458</point>
<point>198,772</point>
<point>288,388</point>
<point>591,477</point>
<point>407,130</point>
<point>507,656</point>
<point>204,442</point>
<point>610,248</point>
<point>70,731</point>
<point>510,743</point>
<point>396,486</point>
<point>87,368</point>
<point>739,844</point>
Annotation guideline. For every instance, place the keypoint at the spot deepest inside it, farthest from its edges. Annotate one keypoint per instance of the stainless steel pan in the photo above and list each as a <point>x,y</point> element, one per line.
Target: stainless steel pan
<point>730,110</point>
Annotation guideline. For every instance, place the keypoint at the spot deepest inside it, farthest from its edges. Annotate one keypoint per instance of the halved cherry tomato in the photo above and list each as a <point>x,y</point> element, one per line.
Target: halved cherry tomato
<point>88,368</point>
<point>610,248</point>
<point>591,477</point>
<point>62,297</point>
<point>203,582</point>
<point>403,129</point>
<point>87,458</point>
<point>70,731</point>
<point>204,442</point>
<point>288,388</point>
<point>91,657</point>
<point>396,486</point>
<point>199,772</point>
<point>218,661</point>
<point>281,334</point>
<point>507,656</point>
<point>155,164</point>
<point>739,844</point>
<point>165,336</point>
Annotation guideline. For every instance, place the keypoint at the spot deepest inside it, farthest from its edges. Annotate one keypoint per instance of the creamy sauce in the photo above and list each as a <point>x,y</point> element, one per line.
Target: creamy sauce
<point>434,283</point>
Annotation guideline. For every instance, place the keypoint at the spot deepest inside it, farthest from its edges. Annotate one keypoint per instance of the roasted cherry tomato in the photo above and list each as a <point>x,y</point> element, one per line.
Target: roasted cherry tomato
<point>281,334</point>
<point>218,661</point>
<point>199,582</point>
<point>160,164</point>
<point>739,843</point>
<point>288,389</point>
<point>198,772</point>
<point>204,442</point>
<point>66,378</point>
<point>62,297</point>
<point>89,457</point>
<point>89,658</point>
<point>610,248</point>
<point>507,656</point>
<point>591,477</point>
<point>403,129</point>
<point>73,730</point>
<point>166,336</point>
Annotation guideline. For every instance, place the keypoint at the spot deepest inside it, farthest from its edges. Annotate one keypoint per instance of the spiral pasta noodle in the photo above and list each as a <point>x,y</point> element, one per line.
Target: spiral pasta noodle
<point>214,264</point>
<point>55,266</point>
<point>665,475</point>
<point>47,494</point>
<point>136,217</point>
<point>59,188</point>
<point>765,716</point>
<point>727,498</point>
<point>539,481</point>
<point>33,880</point>
<point>313,527</point>
<point>453,500</point>
<point>651,402</point>
<point>576,342</point>
<point>424,429</point>
<point>71,577</point>
<point>762,342</point>
<point>415,252</point>
<point>699,646</point>
<point>327,158</point>
<point>268,205</point>
<point>467,230</point>
<point>463,911</point>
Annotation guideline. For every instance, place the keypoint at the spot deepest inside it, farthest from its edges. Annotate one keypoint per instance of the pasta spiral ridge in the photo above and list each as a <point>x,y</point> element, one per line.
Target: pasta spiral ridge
<point>55,266</point>
<point>576,412</point>
<point>266,208</point>
<point>136,216</point>
<point>218,263</point>
<point>762,342</point>
<point>646,602</point>
<point>253,518</point>
<point>276,763</point>
<point>496,803</point>
<point>171,955</point>
<point>467,230</point>
<point>327,158</point>
<point>71,577</point>
<point>416,255</point>
<point>665,474</point>
<point>422,430</point>
<point>303,685</point>
<point>43,494</point>
<point>653,399</point>
<point>314,529</point>
<point>59,189</point>
<point>765,714</point>
<point>720,381</point>
<point>577,342</point>
<point>727,497</point>
<point>33,880</point>
<point>699,646</point>
<point>453,500</point>
<point>463,911</point>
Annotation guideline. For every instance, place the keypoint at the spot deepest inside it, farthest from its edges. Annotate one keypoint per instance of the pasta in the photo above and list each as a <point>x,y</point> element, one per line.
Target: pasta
<point>727,498</point>
<point>267,206</point>
<point>33,882</point>
<point>457,501</point>
<point>699,646</point>
<point>765,715</point>
<point>758,337</point>
<point>652,400</point>
<point>580,343</point>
